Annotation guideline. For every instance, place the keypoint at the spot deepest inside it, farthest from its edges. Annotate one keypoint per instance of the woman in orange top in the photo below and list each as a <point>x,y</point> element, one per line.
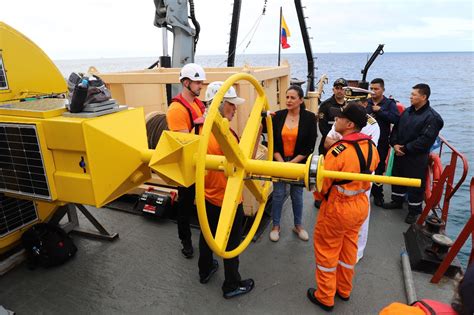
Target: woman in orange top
<point>294,137</point>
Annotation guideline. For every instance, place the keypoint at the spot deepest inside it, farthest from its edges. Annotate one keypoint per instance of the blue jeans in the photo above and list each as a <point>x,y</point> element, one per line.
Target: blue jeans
<point>296,194</point>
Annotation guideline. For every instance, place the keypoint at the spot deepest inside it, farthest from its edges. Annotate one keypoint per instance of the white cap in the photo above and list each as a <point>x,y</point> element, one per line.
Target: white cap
<point>230,96</point>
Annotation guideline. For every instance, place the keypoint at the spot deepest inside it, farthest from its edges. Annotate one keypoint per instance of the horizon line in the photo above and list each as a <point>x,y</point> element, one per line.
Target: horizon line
<point>296,53</point>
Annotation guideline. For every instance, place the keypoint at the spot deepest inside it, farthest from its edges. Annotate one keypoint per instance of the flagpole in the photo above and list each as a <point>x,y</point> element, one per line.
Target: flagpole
<point>279,37</point>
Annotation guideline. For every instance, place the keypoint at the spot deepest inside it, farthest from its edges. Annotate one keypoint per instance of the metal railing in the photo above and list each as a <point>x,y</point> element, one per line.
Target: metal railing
<point>447,177</point>
<point>433,203</point>
<point>458,244</point>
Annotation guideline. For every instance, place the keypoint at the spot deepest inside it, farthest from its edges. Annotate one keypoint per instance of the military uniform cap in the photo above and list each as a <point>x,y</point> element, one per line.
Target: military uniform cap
<point>354,112</point>
<point>356,93</point>
<point>341,82</point>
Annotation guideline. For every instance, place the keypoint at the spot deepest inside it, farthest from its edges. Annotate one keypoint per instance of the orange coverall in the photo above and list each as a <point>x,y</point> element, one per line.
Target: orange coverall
<point>343,211</point>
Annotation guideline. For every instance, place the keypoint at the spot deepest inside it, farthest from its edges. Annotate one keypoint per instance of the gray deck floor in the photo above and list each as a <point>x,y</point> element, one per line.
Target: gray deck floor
<point>144,273</point>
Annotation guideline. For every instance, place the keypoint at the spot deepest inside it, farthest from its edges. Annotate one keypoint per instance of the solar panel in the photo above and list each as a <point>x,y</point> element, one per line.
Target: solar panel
<point>21,163</point>
<point>3,76</point>
<point>15,213</point>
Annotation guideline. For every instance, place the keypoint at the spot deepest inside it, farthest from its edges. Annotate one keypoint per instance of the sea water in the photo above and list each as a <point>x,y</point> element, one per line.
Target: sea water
<point>450,76</point>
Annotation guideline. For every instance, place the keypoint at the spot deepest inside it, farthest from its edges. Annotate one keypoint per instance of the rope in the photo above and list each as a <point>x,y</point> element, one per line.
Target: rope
<point>251,37</point>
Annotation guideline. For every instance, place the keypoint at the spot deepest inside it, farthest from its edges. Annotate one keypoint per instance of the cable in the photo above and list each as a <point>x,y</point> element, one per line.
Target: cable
<point>252,31</point>
<point>251,37</point>
<point>197,26</point>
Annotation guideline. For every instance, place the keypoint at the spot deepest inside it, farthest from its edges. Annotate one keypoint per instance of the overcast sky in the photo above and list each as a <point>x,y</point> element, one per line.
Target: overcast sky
<point>84,29</point>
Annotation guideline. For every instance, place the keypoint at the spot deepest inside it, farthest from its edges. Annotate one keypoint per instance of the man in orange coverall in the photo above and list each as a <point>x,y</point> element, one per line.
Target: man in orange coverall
<point>343,208</point>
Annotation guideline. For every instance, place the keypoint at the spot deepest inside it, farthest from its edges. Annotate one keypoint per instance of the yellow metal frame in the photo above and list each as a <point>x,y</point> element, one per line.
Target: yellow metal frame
<point>236,164</point>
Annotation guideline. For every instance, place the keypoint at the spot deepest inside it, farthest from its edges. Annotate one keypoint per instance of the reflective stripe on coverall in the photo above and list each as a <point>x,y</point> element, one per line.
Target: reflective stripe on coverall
<point>340,217</point>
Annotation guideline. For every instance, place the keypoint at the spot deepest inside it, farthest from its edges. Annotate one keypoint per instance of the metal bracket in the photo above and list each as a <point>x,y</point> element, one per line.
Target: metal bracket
<point>72,226</point>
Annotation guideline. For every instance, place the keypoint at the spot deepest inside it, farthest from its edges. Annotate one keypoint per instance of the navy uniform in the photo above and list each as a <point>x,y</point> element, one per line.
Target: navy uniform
<point>387,115</point>
<point>326,117</point>
<point>417,130</point>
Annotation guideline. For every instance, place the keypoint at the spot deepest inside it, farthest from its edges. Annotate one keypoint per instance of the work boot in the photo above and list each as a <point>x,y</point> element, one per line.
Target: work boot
<point>392,205</point>
<point>310,294</point>
<point>411,218</point>
<point>205,278</point>
<point>187,250</point>
<point>345,299</point>
<point>378,201</point>
<point>245,286</point>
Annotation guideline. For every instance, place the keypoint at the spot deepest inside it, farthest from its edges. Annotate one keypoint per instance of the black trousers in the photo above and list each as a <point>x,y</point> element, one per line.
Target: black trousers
<point>231,266</point>
<point>413,166</point>
<point>377,188</point>
<point>185,210</point>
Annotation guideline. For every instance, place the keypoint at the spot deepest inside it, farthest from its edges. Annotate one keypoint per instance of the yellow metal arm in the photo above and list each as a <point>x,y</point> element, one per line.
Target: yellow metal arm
<point>235,164</point>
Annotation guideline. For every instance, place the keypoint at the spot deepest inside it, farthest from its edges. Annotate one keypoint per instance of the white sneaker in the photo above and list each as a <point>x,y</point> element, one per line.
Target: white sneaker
<point>274,235</point>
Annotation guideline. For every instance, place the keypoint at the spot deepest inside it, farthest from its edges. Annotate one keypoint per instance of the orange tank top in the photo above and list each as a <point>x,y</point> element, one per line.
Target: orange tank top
<point>288,137</point>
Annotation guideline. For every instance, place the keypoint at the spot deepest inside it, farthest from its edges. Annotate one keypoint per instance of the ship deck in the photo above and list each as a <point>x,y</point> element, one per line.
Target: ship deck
<point>144,272</point>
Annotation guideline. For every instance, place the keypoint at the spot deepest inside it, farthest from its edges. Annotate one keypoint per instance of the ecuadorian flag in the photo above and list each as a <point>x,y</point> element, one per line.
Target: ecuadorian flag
<point>285,33</point>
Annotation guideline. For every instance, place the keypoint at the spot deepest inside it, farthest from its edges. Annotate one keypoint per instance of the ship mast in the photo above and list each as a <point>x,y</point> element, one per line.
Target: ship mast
<point>234,31</point>
<point>307,46</point>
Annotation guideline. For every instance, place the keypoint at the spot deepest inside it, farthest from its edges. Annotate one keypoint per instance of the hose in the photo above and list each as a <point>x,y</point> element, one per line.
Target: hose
<point>408,278</point>
<point>196,24</point>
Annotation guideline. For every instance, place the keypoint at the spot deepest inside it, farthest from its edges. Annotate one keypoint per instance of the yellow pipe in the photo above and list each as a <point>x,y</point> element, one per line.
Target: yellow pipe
<point>274,169</point>
<point>215,162</point>
<point>402,181</point>
<point>295,171</point>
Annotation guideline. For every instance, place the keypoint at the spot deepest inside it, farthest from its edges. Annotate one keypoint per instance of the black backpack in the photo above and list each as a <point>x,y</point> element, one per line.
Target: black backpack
<point>47,245</point>
<point>97,92</point>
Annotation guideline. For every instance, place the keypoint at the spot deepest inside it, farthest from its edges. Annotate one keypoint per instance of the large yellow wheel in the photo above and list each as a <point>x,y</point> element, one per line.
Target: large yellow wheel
<point>234,165</point>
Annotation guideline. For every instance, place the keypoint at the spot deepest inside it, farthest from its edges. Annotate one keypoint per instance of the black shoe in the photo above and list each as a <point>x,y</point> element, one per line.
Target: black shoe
<point>317,203</point>
<point>245,286</point>
<point>205,279</point>
<point>378,201</point>
<point>411,218</point>
<point>312,298</point>
<point>187,250</point>
<point>392,205</point>
<point>343,298</point>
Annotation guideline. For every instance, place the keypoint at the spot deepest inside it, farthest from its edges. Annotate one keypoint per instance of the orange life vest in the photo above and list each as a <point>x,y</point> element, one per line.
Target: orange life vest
<point>194,117</point>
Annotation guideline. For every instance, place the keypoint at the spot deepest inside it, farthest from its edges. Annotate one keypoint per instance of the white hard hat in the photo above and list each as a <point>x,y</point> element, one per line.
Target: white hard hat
<point>230,96</point>
<point>193,72</point>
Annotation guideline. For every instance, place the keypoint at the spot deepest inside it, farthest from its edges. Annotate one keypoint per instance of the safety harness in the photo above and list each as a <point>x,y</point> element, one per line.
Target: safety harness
<point>193,116</point>
<point>364,165</point>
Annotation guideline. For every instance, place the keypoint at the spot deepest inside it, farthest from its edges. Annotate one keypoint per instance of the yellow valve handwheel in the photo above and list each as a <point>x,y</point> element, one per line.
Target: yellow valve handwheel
<point>236,157</point>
